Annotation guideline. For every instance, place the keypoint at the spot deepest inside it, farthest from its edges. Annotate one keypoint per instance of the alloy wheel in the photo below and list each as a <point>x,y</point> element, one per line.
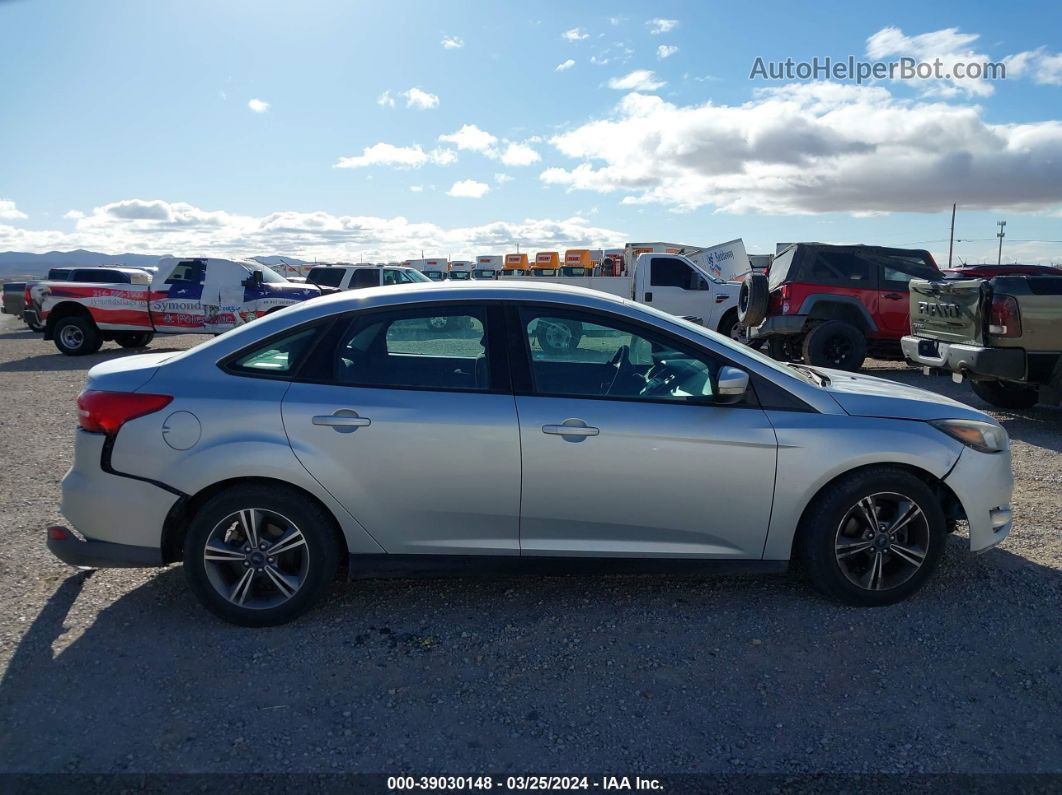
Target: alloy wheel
<point>882,541</point>
<point>72,337</point>
<point>256,558</point>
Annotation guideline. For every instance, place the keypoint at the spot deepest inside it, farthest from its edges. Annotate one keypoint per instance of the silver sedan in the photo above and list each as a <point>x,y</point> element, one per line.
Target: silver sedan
<point>513,426</point>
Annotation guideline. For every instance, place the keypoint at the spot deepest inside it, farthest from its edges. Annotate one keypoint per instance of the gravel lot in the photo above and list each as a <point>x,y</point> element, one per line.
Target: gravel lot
<point>120,671</point>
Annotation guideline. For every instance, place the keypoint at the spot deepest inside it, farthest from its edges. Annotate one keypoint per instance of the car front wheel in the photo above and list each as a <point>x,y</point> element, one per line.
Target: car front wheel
<point>873,537</point>
<point>259,555</point>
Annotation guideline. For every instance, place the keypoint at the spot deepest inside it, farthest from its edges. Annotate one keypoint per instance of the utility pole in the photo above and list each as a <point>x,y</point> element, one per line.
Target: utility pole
<point>951,240</point>
<point>1000,234</point>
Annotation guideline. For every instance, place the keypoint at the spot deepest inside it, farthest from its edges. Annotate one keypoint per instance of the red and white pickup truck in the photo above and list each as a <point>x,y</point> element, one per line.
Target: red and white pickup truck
<point>183,296</point>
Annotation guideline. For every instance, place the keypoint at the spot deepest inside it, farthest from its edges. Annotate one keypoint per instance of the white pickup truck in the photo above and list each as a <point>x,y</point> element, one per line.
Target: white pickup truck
<point>183,296</point>
<point>672,283</point>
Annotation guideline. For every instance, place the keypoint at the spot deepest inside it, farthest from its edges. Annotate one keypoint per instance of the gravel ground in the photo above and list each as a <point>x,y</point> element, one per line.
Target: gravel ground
<point>120,671</point>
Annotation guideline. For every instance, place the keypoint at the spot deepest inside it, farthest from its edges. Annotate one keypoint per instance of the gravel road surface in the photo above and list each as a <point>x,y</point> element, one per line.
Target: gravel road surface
<point>121,671</point>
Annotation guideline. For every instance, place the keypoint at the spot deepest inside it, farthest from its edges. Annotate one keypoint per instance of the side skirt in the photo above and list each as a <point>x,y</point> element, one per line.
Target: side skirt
<point>369,567</point>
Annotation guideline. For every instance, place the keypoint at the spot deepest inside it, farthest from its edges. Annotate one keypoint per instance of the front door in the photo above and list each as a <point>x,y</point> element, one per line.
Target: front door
<point>625,455</point>
<point>410,426</point>
<point>894,293</point>
<point>675,287</point>
<point>176,302</point>
<point>225,294</point>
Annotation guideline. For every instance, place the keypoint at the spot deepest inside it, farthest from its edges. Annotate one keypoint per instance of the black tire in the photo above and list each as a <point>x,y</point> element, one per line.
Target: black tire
<point>752,300</point>
<point>77,336</point>
<point>826,525</point>
<point>731,327</point>
<point>134,339</point>
<point>1006,395</point>
<point>320,545</point>
<point>835,344</point>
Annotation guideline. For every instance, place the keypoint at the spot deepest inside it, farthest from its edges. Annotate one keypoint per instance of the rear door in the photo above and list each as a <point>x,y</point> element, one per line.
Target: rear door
<point>839,273</point>
<point>412,427</point>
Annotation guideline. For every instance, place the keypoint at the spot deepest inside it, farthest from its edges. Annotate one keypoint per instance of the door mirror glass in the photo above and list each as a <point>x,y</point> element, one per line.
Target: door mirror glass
<point>731,385</point>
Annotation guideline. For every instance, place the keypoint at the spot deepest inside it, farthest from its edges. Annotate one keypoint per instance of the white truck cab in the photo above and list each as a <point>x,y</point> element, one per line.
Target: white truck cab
<point>487,267</point>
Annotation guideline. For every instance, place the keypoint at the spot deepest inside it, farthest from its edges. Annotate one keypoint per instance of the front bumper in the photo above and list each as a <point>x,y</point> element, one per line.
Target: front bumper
<point>969,360</point>
<point>779,324</point>
<point>984,482</point>
<point>88,554</point>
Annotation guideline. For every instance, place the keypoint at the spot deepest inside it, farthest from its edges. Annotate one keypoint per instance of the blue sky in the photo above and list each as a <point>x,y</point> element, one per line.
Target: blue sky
<point>127,126</point>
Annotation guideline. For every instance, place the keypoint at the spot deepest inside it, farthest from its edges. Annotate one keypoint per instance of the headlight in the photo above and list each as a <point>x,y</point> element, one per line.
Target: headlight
<point>981,436</point>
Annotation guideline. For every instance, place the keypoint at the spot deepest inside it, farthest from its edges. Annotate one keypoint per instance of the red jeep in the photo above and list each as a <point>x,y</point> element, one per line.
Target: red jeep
<point>832,305</point>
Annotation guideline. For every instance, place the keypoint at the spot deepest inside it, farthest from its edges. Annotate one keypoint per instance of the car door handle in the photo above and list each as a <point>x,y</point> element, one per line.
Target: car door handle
<point>343,420</point>
<point>893,296</point>
<point>571,427</point>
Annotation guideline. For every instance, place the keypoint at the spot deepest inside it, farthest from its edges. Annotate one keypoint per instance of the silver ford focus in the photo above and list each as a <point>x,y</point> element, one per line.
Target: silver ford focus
<point>502,426</point>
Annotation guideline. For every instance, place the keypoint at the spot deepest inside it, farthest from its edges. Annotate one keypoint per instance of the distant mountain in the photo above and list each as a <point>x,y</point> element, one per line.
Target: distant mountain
<point>20,263</point>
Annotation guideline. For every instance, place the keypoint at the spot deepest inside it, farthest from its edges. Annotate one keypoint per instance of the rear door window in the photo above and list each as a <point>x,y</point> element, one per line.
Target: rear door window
<point>190,272</point>
<point>325,277</point>
<point>845,268</point>
<point>364,277</point>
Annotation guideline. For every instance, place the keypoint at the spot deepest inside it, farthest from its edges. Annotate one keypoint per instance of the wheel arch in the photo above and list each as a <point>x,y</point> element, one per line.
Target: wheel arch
<point>839,307</point>
<point>728,316</point>
<point>63,310</point>
<point>180,515</point>
<point>949,501</point>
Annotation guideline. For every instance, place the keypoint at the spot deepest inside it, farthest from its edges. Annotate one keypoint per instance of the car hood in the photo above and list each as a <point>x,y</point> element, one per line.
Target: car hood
<point>125,374</point>
<point>867,396</point>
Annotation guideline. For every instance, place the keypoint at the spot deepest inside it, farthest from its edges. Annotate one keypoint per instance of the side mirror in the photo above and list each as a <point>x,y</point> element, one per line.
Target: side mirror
<point>731,385</point>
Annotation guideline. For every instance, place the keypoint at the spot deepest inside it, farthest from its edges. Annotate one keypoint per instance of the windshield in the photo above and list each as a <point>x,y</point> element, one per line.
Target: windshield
<point>416,276</point>
<point>270,276</point>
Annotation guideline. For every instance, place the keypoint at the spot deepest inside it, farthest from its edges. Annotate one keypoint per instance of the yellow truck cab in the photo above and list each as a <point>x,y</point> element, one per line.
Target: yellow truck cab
<point>577,262</point>
<point>515,265</point>
<point>547,263</point>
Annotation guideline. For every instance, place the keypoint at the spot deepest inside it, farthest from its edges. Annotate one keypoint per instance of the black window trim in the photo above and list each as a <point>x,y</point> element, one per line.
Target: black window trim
<point>227,364</point>
<point>520,360</point>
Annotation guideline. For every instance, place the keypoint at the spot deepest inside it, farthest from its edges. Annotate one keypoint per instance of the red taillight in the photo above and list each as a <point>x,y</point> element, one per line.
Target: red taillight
<point>1004,320</point>
<point>107,412</point>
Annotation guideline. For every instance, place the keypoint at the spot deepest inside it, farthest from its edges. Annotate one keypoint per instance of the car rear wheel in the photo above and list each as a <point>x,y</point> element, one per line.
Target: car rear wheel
<point>835,344</point>
<point>752,300</point>
<point>260,555</point>
<point>1005,395</point>
<point>732,327</point>
<point>873,537</point>
<point>77,336</point>
<point>134,339</point>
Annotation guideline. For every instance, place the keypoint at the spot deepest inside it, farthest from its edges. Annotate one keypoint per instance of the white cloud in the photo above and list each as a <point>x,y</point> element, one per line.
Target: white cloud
<point>949,45</point>
<point>417,188</point>
<point>452,43</point>
<point>616,20</point>
<point>468,189</point>
<point>616,52</point>
<point>385,100</point>
<point>258,105</point>
<point>565,65</point>
<point>160,227</point>
<point>9,212</point>
<point>666,51</point>
<point>811,148</point>
<point>517,154</point>
<point>383,154</point>
<point>575,34</point>
<point>470,138</point>
<point>501,178</point>
<point>1043,67</point>
<point>420,100</point>
<point>658,25</point>
<point>638,80</point>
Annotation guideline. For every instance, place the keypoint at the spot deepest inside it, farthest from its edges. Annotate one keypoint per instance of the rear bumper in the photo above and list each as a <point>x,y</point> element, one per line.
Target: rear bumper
<point>970,360</point>
<point>88,554</point>
<point>779,324</point>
